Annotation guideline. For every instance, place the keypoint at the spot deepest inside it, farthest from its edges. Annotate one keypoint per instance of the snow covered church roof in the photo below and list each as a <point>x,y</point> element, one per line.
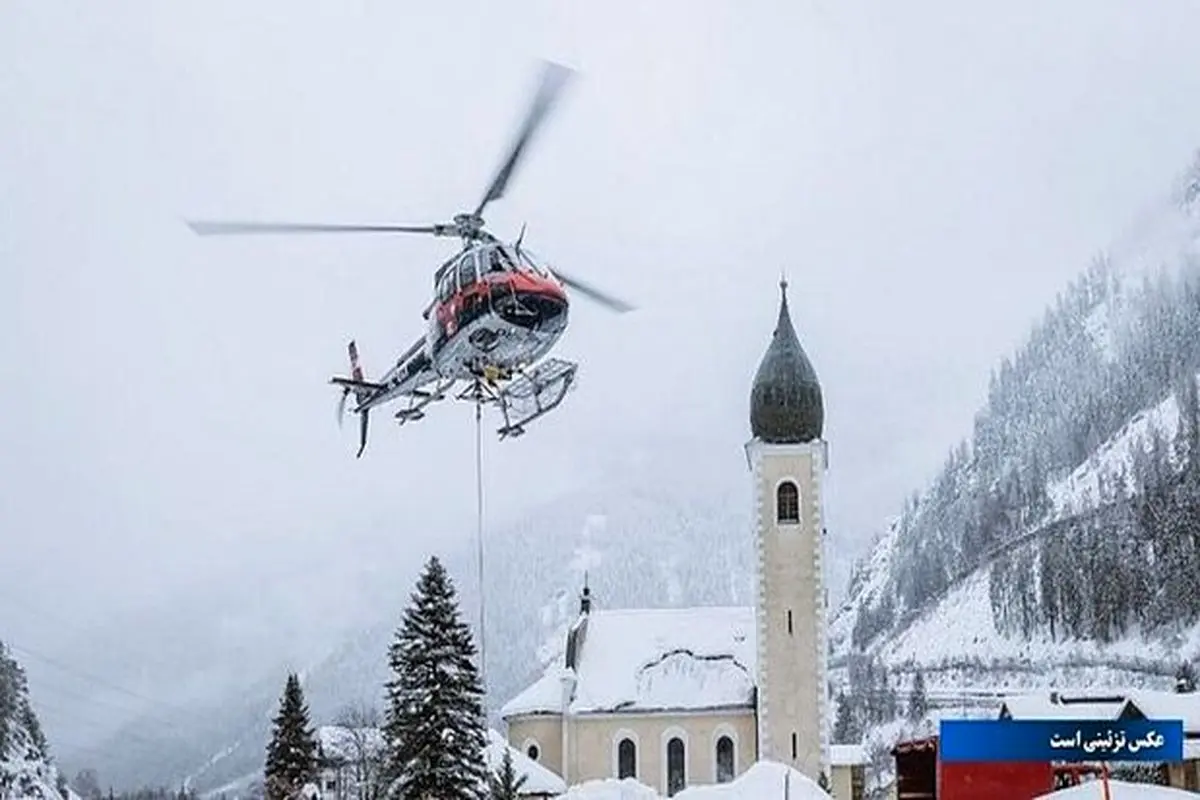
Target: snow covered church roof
<point>668,659</point>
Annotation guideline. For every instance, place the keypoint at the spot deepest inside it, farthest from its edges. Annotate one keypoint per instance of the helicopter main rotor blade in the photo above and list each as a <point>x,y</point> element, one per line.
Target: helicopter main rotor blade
<point>594,294</point>
<point>554,77</point>
<point>210,228</point>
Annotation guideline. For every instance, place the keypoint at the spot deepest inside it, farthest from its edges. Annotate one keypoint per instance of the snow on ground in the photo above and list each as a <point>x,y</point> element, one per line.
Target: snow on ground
<point>610,789</point>
<point>762,781</point>
<point>237,788</point>
<point>1081,490</point>
<point>1119,790</point>
<point>31,779</point>
<point>960,628</point>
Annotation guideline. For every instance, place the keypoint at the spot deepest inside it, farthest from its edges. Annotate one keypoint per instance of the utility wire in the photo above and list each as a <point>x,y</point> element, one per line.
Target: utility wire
<point>91,678</point>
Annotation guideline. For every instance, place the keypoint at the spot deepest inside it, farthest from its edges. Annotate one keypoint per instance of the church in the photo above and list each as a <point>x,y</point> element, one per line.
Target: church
<point>687,696</point>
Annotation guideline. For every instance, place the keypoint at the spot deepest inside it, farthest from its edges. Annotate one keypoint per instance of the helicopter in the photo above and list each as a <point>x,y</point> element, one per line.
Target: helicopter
<point>496,313</point>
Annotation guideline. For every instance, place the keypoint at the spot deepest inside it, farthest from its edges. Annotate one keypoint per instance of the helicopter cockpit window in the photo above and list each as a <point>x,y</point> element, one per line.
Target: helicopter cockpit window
<point>446,286</point>
<point>466,270</point>
<point>503,259</point>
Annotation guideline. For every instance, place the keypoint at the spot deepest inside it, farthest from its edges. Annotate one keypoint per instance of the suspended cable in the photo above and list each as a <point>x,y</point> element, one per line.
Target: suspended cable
<point>479,534</point>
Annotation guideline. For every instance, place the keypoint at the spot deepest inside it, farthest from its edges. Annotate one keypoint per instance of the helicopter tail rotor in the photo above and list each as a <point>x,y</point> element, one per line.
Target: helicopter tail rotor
<point>362,390</point>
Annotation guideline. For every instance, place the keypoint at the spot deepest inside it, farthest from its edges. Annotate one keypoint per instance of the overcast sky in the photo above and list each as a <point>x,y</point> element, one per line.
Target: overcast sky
<point>928,174</point>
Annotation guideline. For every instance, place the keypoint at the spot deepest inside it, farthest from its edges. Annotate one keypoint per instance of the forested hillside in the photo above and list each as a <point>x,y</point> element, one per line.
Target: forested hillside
<point>26,771</point>
<point>1059,545</point>
<point>1110,348</point>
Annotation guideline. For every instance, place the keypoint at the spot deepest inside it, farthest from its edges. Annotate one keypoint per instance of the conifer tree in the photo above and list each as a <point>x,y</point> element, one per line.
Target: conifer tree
<point>918,703</point>
<point>504,782</point>
<point>435,728</point>
<point>843,726</point>
<point>1185,678</point>
<point>292,751</point>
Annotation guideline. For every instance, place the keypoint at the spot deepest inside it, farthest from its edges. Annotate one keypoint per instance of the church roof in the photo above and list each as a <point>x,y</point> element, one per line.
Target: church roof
<point>669,659</point>
<point>785,401</point>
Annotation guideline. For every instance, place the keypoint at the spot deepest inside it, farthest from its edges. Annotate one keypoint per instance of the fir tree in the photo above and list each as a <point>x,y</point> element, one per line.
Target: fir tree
<point>504,782</point>
<point>435,728</point>
<point>843,726</point>
<point>292,751</point>
<point>1185,678</point>
<point>918,703</point>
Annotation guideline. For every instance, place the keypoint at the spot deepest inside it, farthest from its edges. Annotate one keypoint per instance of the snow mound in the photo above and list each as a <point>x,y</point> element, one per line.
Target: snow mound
<point>763,780</point>
<point>766,779</point>
<point>610,789</point>
<point>1119,790</point>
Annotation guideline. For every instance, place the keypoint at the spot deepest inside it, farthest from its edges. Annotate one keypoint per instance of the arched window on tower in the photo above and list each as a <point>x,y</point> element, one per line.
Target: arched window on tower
<point>626,759</point>
<point>675,766</point>
<point>787,503</point>
<point>724,759</point>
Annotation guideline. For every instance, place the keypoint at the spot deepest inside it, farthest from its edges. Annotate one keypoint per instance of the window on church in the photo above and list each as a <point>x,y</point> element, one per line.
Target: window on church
<point>626,759</point>
<point>787,502</point>
<point>724,759</point>
<point>675,770</point>
<point>532,752</point>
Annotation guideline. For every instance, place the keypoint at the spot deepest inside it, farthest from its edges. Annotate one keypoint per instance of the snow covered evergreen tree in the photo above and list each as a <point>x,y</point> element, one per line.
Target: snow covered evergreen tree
<point>845,731</point>
<point>435,727</point>
<point>292,751</point>
<point>505,783</point>
<point>918,702</point>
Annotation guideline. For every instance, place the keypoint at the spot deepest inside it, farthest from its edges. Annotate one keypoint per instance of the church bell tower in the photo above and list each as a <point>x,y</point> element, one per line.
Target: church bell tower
<point>788,459</point>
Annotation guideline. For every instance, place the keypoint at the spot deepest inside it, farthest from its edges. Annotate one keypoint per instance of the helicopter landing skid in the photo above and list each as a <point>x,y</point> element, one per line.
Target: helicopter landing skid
<point>420,398</point>
<point>534,393</point>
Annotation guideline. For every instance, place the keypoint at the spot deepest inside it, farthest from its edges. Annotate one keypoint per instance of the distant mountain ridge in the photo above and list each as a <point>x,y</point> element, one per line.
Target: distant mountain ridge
<point>1060,544</point>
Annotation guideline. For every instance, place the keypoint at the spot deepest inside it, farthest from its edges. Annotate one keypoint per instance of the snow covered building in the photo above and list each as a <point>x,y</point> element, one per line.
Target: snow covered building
<point>347,760</point>
<point>685,696</point>
<point>1122,704</point>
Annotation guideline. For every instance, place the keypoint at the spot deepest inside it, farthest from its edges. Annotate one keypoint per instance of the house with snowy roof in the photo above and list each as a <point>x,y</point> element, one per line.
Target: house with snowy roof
<point>347,759</point>
<point>1115,705</point>
<point>693,696</point>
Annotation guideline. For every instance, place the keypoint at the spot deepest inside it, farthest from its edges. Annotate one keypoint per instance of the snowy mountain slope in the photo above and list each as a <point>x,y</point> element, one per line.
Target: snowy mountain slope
<point>27,771</point>
<point>643,542</point>
<point>1055,548</point>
